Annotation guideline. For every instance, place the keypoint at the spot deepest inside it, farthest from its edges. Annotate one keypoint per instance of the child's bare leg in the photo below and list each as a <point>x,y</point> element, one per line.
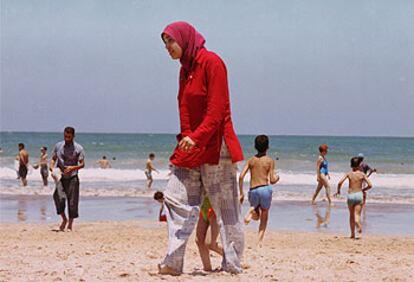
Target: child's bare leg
<point>264,215</point>
<point>201,233</point>
<point>248,216</point>
<point>318,189</point>
<point>352,220</point>
<point>364,207</point>
<point>214,229</point>
<point>64,221</point>
<point>358,209</point>
<point>149,183</point>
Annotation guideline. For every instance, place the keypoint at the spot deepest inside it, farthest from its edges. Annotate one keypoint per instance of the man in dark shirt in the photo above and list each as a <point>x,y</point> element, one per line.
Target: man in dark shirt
<point>364,167</point>
<point>69,156</point>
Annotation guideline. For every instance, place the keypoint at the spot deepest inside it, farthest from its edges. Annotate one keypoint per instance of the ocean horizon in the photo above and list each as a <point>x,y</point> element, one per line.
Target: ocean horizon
<point>295,157</point>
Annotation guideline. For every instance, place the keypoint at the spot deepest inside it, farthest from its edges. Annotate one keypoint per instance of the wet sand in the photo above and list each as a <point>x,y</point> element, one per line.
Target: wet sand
<point>130,251</point>
<point>384,219</point>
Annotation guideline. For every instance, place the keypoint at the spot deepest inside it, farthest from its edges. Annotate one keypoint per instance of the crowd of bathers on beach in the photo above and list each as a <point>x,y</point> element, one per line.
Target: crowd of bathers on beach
<point>202,191</point>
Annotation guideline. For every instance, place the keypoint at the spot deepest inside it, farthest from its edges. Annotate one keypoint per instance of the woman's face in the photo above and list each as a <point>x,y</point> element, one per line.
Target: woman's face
<point>172,47</point>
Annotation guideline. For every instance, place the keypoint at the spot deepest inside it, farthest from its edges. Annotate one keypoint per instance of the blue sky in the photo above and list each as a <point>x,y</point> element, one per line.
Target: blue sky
<point>295,67</point>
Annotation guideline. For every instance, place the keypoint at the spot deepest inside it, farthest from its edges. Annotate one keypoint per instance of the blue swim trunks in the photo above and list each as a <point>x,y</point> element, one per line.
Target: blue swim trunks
<point>261,196</point>
<point>355,198</point>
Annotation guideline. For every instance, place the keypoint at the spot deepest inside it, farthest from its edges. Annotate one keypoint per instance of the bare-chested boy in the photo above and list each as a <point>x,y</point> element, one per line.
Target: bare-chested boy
<point>355,194</point>
<point>262,174</point>
<point>23,163</point>
<point>148,170</point>
<point>104,163</point>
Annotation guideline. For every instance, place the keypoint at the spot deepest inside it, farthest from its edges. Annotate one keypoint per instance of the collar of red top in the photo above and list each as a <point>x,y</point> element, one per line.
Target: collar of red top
<point>197,60</point>
<point>199,57</point>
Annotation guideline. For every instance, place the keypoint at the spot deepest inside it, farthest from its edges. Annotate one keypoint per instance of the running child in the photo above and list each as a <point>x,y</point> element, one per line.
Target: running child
<point>262,175</point>
<point>355,196</point>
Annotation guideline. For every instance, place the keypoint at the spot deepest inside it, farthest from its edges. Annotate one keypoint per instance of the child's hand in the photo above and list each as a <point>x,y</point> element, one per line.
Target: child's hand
<point>336,195</point>
<point>241,198</point>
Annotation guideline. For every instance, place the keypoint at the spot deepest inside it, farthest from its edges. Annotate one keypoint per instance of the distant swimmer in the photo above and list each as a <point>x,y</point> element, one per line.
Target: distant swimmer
<point>322,174</point>
<point>355,194</point>
<point>104,163</point>
<point>43,164</point>
<point>23,164</point>
<point>148,170</point>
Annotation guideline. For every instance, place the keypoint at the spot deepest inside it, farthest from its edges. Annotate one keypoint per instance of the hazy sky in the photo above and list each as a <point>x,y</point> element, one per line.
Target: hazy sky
<point>295,67</point>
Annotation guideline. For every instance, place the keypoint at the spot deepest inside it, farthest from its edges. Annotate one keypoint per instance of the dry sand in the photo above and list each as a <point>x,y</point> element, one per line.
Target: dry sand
<point>130,251</point>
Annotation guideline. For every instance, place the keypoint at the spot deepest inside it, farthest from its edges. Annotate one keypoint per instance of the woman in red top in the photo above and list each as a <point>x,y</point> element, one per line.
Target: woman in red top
<point>206,152</point>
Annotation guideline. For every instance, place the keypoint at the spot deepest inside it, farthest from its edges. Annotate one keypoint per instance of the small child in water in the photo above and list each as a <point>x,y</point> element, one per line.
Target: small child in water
<point>262,174</point>
<point>148,170</point>
<point>355,196</point>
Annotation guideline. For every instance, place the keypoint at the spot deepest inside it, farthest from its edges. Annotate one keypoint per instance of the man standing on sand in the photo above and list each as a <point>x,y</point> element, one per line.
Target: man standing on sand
<point>70,158</point>
<point>23,163</point>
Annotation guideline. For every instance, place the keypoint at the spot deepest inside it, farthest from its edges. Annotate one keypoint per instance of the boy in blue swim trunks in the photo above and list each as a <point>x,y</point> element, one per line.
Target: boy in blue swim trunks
<point>262,174</point>
<point>355,196</point>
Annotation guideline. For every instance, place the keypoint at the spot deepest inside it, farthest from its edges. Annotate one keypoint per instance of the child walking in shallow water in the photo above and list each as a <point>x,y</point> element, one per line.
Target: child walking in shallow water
<point>355,194</point>
<point>322,174</point>
<point>149,168</point>
<point>262,174</point>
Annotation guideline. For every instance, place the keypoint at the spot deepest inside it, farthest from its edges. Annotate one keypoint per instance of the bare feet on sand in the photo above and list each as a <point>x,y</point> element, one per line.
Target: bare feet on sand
<point>165,270</point>
<point>63,225</point>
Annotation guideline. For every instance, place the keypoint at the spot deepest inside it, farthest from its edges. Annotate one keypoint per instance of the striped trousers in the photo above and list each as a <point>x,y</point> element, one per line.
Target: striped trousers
<point>182,201</point>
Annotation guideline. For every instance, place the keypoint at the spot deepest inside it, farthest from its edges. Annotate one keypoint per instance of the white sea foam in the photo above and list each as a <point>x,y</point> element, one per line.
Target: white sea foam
<point>286,177</point>
<point>297,186</point>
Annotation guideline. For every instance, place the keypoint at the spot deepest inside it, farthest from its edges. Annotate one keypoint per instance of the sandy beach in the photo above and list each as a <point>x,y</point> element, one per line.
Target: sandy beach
<point>130,251</point>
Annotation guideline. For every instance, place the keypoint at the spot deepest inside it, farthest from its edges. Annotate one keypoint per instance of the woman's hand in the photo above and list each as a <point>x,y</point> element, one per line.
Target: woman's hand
<point>186,144</point>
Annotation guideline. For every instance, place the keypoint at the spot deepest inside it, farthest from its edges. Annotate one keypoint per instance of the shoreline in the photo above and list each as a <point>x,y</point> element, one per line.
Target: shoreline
<point>130,250</point>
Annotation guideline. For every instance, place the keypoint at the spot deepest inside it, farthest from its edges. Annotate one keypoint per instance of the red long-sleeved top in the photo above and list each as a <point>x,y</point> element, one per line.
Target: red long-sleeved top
<point>204,106</point>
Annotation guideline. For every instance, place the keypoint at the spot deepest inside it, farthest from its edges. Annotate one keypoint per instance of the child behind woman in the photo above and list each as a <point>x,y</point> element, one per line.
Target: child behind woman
<point>207,219</point>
